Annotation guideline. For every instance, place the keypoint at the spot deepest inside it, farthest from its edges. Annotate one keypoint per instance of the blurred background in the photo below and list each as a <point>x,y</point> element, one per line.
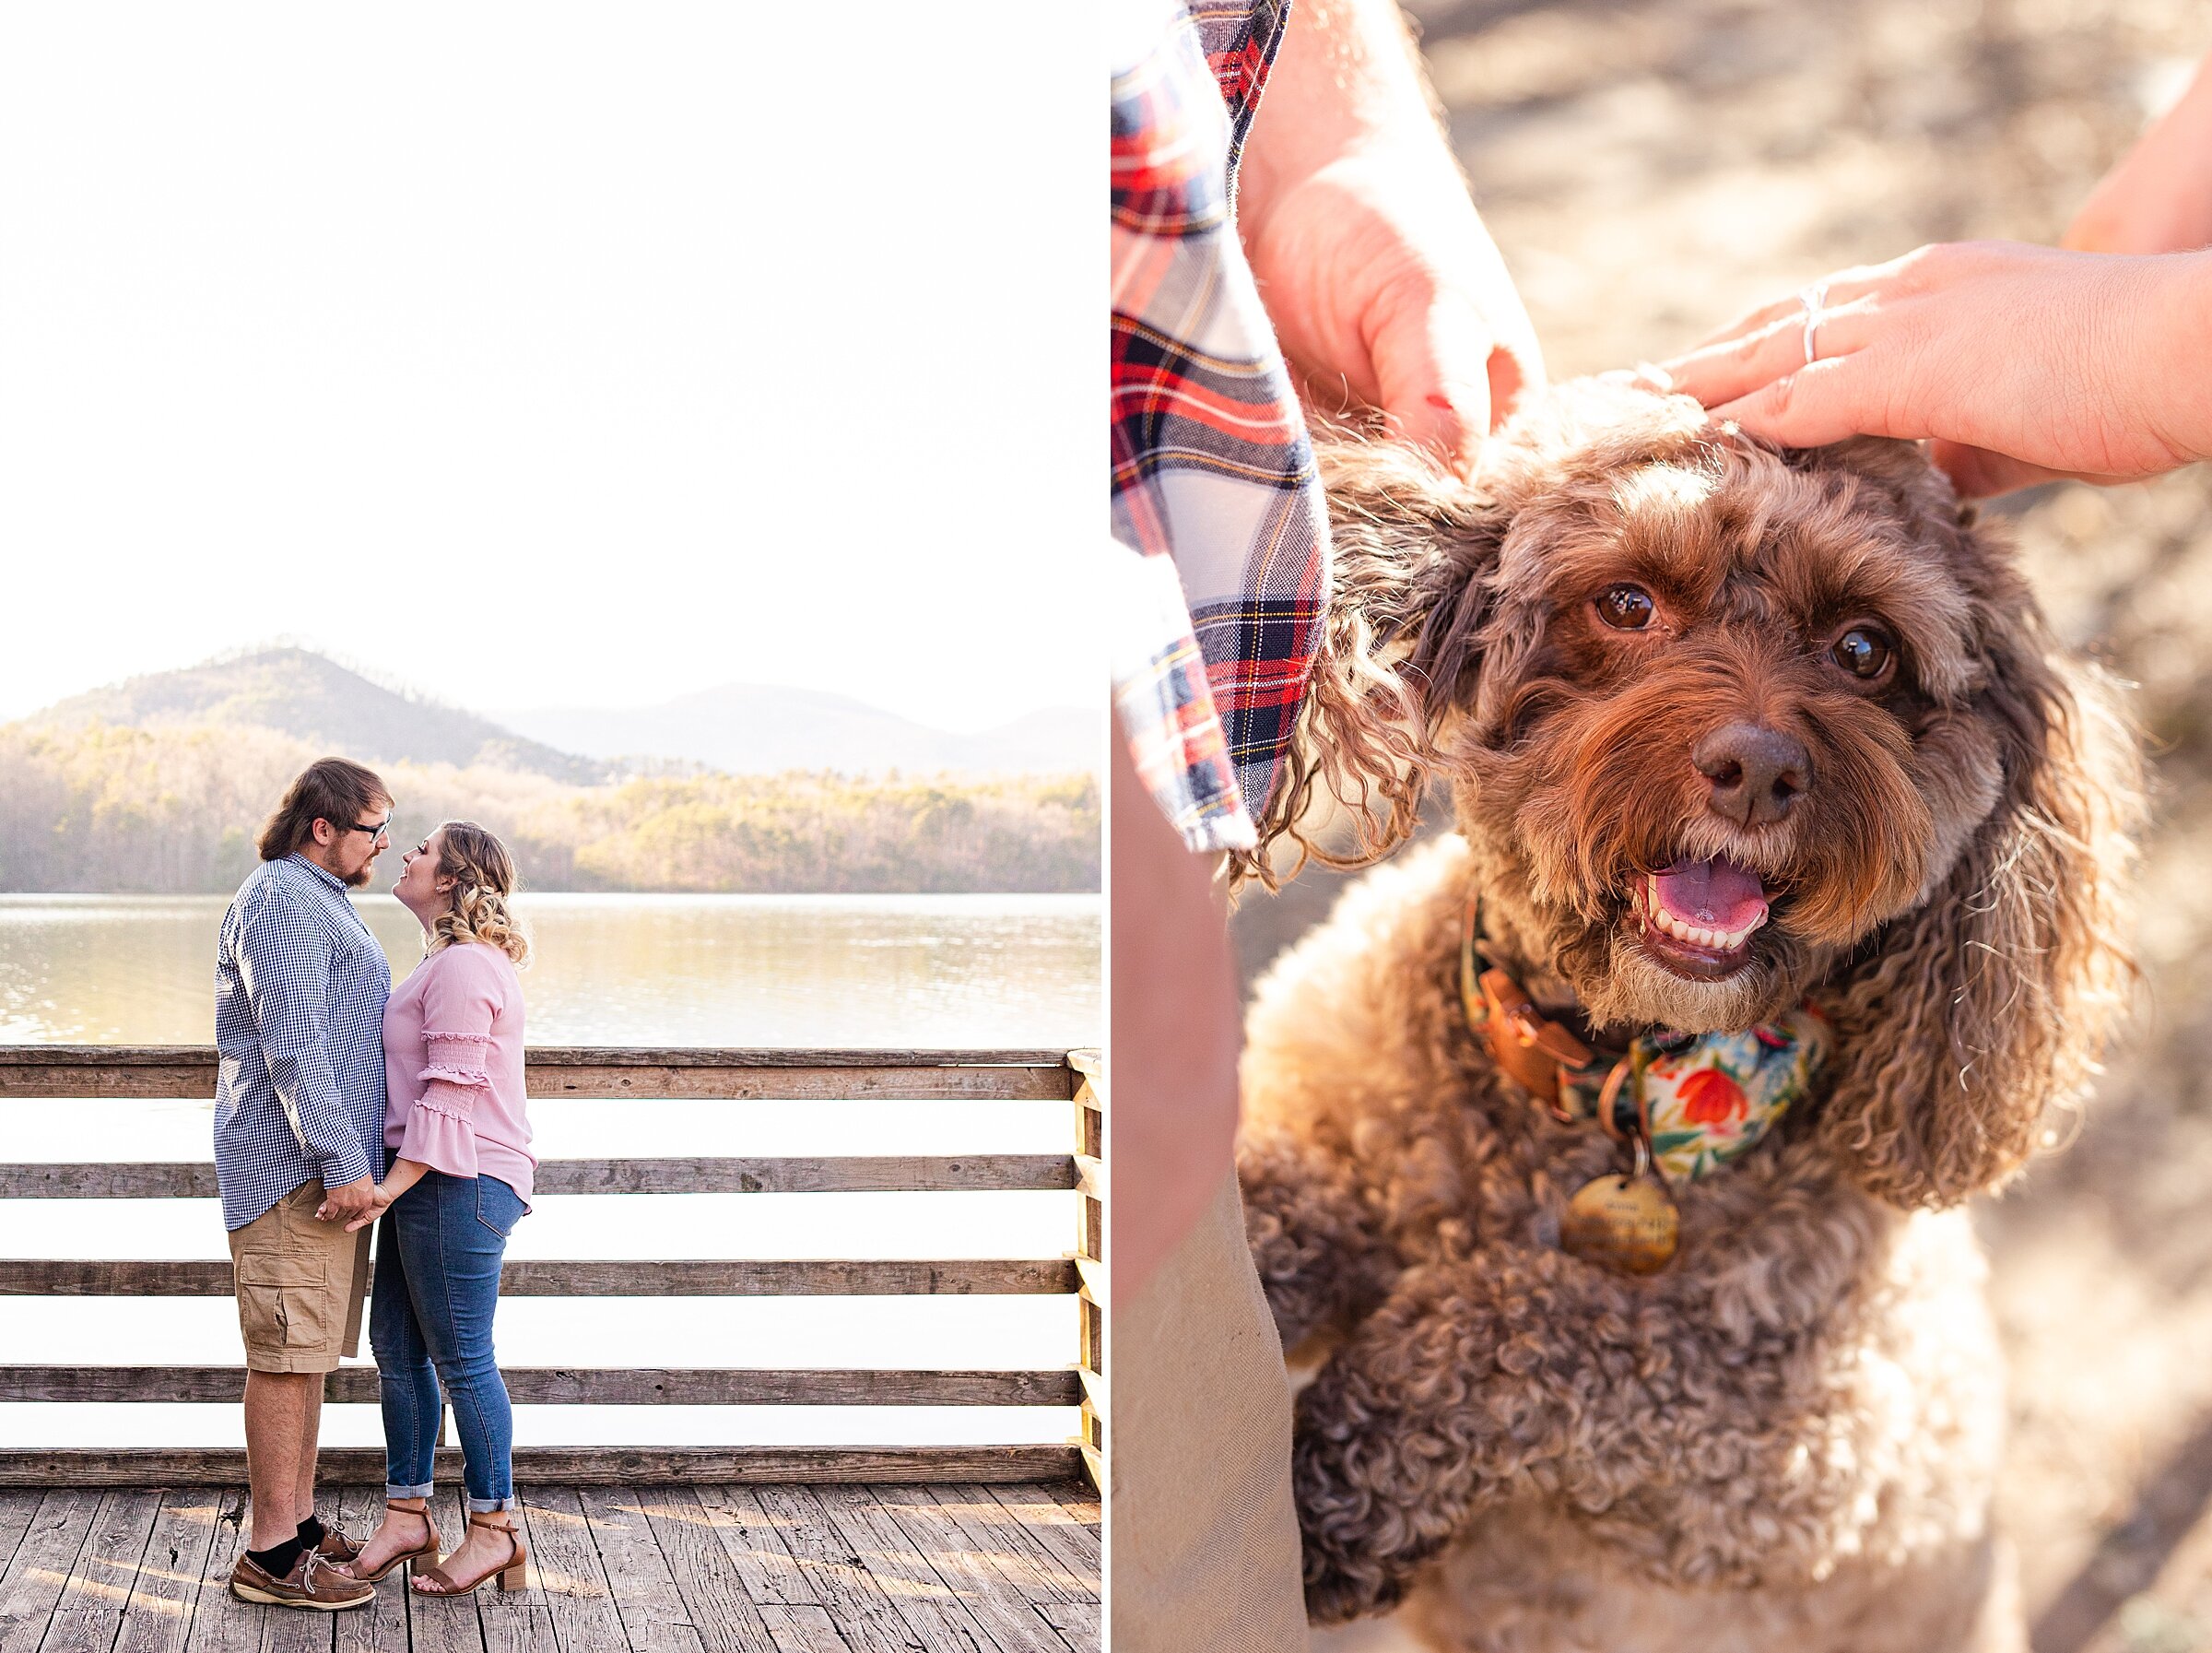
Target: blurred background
<point>1651,169</point>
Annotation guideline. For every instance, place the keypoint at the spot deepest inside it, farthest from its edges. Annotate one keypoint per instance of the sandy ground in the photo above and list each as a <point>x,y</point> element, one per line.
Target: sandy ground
<point>1651,169</point>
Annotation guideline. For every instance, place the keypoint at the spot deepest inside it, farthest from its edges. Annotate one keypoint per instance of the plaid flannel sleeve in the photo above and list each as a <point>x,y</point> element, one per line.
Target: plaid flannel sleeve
<point>1214,483</point>
<point>285,962</point>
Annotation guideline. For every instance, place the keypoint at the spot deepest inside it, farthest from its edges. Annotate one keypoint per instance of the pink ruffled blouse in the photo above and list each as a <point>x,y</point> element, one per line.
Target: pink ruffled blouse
<point>453,1068</point>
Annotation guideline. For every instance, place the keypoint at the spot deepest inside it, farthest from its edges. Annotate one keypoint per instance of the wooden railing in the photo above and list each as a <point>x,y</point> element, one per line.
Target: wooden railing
<point>65,1073</point>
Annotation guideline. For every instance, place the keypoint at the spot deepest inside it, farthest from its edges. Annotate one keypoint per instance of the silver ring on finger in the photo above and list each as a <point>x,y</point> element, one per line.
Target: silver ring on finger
<point>1812,298</point>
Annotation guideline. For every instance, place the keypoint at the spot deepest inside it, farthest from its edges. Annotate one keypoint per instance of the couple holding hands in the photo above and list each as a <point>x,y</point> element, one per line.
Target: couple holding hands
<point>329,1077</point>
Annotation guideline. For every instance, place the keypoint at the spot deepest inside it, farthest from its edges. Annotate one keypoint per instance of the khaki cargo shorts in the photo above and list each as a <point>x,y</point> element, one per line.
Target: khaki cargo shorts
<point>300,1285</point>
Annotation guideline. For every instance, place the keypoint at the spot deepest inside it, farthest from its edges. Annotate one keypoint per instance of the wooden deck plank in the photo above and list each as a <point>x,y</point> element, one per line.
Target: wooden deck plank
<point>41,1567</point>
<point>517,1622</point>
<point>855,1599</point>
<point>654,1615</point>
<point>713,1597</point>
<point>652,1569</point>
<point>1053,1525</point>
<point>929,1604</point>
<point>753,1540</point>
<point>220,1623</point>
<point>992,1529</point>
<point>19,1508</point>
<point>453,1623</point>
<point>981,1585</point>
<point>1077,1624</point>
<point>158,1618</point>
<point>88,1615</point>
<point>292,1630</point>
<point>804,1630</point>
<point>381,1626</point>
<point>1080,1499</point>
<point>566,1570</point>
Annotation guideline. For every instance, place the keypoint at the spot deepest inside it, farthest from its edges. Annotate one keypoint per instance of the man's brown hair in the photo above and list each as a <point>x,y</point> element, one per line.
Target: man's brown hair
<point>332,789</point>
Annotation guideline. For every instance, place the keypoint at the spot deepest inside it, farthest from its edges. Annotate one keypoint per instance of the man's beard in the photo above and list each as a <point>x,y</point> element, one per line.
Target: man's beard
<point>359,879</point>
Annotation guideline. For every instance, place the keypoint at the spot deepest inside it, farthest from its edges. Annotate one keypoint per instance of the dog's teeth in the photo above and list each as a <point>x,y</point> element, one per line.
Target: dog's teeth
<point>1705,937</point>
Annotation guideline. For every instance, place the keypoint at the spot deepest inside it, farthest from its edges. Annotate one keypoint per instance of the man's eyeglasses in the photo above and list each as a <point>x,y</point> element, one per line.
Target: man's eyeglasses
<point>379,830</point>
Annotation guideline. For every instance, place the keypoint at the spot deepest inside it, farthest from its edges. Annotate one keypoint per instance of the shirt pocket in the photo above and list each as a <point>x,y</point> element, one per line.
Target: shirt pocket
<point>284,1301</point>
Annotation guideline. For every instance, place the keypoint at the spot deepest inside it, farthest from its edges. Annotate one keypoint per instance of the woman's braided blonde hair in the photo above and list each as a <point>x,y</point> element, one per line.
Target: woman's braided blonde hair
<point>484,880</point>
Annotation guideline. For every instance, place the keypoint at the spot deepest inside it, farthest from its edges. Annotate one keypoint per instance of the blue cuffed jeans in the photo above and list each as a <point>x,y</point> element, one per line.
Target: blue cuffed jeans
<point>438,1256</point>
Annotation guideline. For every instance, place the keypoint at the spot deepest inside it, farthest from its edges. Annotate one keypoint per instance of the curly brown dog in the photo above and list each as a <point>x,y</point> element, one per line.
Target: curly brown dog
<point>1729,732</point>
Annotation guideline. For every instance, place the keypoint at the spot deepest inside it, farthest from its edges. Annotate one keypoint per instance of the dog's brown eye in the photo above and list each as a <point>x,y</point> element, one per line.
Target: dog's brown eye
<point>1862,652</point>
<point>1625,607</point>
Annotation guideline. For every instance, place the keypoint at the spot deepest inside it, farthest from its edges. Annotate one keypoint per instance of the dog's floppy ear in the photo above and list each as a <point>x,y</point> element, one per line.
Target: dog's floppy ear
<point>1412,546</point>
<point>1987,1004</point>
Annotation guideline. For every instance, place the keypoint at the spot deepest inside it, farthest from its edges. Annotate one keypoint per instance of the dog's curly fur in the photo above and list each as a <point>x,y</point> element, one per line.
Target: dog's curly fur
<point>1789,1436</point>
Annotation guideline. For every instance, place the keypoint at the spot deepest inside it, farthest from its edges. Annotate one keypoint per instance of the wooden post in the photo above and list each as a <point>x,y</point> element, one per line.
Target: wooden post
<point>1090,1070</point>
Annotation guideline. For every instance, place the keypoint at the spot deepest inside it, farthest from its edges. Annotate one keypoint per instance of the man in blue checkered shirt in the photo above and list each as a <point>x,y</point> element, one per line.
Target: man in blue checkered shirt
<point>300,991</point>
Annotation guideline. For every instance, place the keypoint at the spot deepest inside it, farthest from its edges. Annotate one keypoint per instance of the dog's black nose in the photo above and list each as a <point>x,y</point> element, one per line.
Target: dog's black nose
<point>1757,773</point>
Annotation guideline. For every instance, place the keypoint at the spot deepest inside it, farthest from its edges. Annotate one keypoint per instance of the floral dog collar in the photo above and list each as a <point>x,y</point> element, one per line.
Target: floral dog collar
<point>1694,1102</point>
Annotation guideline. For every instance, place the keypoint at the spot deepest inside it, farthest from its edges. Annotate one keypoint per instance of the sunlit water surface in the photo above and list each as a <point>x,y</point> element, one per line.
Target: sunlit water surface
<point>974,971</point>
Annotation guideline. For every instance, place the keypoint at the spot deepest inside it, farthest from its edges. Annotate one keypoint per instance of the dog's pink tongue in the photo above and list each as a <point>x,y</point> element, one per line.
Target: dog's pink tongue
<point>1716,894</point>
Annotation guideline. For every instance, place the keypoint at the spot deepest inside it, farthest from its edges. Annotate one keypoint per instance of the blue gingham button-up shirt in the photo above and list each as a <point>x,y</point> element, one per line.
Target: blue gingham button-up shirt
<point>300,991</point>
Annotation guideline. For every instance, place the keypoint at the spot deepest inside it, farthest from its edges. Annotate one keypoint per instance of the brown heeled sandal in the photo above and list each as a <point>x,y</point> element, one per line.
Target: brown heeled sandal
<point>513,1574</point>
<point>426,1551</point>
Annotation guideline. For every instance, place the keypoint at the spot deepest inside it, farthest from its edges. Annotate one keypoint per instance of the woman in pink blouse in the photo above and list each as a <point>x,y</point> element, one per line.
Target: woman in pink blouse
<point>459,1180</point>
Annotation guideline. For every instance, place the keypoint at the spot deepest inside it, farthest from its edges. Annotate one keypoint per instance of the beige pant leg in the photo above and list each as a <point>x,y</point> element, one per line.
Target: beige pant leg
<point>1205,1535</point>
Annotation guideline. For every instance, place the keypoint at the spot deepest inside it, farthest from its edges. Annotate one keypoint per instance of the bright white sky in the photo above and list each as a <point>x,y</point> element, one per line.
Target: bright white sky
<point>556,355</point>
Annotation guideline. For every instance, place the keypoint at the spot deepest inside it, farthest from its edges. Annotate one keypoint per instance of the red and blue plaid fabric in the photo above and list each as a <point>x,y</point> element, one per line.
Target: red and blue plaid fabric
<point>1213,473</point>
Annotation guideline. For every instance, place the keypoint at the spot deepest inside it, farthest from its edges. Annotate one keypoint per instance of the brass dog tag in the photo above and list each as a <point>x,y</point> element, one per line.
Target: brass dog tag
<point>1624,1223</point>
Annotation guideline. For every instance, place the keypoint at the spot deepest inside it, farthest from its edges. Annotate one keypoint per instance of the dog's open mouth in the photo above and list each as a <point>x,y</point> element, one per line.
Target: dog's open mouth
<point>1698,917</point>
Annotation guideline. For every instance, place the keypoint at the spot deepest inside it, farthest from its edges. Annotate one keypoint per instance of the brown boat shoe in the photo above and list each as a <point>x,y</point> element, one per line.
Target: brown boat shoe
<point>313,1584</point>
<point>336,1546</point>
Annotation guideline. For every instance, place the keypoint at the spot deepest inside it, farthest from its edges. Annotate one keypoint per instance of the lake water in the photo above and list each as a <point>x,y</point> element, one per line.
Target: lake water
<point>729,970</point>
<point>905,971</point>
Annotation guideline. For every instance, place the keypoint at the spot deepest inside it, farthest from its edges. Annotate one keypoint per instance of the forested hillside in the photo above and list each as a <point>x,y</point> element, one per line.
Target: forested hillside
<point>174,808</point>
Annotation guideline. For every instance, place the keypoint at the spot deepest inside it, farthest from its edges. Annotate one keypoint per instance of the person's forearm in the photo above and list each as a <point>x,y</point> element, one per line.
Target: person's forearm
<point>404,1175</point>
<point>1384,289</point>
<point>308,1089</point>
<point>2178,400</point>
<point>2159,198</point>
<point>1345,78</point>
<point>1176,1033</point>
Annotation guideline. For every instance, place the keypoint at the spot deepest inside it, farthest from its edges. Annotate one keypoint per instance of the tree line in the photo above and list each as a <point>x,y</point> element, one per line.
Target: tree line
<point>174,810</point>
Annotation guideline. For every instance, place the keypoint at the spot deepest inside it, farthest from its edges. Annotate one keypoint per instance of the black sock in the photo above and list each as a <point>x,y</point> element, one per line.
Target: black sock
<point>311,1531</point>
<point>279,1561</point>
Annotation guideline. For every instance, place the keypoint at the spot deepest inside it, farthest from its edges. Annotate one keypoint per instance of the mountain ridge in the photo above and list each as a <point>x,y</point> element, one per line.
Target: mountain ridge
<point>736,728</point>
<point>310,697</point>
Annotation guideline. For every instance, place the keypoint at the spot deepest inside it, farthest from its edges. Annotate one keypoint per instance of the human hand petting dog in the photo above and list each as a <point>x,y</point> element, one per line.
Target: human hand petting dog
<point>1384,287</point>
<point>2023,364</point>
